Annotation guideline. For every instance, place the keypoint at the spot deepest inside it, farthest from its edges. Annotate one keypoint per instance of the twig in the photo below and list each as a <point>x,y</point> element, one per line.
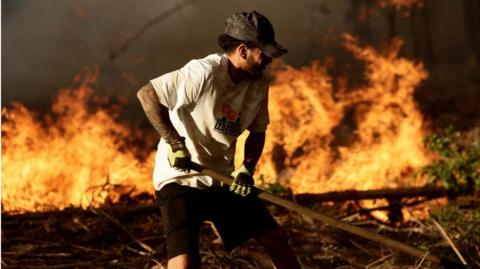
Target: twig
<point>379,260</point>
<point>351,260</point>
<point>67,265</point>
<point>421,260</point>
<point>360,247</point>
<point>89,249</point>
<point>381,227</point>
<point>478,264</point>
<point>445,235</point>
<point>350,217</point>
<point>137,251</point>
<point>48,255</point>
<point>81,224</point>
<point>128,42</point>
<point>151,237</point>
<point>159,265</point>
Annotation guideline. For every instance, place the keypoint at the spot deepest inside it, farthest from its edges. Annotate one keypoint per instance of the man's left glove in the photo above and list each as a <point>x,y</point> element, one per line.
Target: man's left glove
<point>178,155</point>
<point>242,181</point>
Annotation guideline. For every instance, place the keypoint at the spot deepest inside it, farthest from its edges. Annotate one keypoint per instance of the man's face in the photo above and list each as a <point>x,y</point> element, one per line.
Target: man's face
<point>257,61</point>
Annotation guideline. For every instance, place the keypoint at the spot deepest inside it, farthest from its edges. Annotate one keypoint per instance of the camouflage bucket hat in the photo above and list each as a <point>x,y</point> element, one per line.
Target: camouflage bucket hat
<point>256,28</point>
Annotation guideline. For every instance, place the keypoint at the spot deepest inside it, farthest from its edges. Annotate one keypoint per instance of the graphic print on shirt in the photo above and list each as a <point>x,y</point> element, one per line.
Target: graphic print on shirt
<point>229,123</point>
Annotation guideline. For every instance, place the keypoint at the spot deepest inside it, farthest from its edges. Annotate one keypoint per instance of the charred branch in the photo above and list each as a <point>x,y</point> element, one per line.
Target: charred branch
<point>396,193</point>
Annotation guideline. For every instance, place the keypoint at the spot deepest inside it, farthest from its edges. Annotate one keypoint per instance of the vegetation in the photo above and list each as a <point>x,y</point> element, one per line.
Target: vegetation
<point>458,162</point>
<point>457,167</point>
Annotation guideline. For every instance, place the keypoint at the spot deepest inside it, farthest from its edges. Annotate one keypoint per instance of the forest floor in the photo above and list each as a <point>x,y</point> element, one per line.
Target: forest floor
<point>129,234</point>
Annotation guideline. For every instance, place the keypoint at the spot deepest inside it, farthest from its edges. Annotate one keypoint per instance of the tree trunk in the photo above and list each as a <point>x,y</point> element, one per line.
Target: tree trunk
<point>420,30</point>
<point>359,12</point>
<point>392,22</point>
<point>471,10</point>
<point>428,40</point>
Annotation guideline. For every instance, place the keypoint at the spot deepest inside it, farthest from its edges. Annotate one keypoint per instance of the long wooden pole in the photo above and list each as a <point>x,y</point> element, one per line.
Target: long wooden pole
<point>386,241</point>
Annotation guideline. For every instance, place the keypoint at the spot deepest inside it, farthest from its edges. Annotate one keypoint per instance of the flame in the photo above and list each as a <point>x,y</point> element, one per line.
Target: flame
<point>67,156</point>
<point>324,136</point>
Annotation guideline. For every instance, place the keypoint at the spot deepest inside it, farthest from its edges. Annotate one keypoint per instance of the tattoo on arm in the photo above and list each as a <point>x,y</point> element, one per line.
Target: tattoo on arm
<point>157,113</point>
<point>253,149</point>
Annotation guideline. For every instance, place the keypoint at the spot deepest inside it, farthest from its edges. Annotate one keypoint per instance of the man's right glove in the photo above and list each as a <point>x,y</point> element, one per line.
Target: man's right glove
<point>242,181</point>
<point>178,155</point>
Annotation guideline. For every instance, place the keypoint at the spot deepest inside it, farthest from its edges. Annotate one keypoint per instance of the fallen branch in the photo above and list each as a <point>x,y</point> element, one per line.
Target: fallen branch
<point>11,218</point>
<point>397,193</point>
<point>122,211</point>
<point>387,207</point>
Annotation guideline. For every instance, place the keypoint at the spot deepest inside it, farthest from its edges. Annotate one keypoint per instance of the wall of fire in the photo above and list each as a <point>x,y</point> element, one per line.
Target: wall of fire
<point>354,119</point>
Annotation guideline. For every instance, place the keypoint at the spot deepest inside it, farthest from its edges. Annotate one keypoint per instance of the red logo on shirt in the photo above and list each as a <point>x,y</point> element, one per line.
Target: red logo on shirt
<point>229,122</point>
<point>229,112</point>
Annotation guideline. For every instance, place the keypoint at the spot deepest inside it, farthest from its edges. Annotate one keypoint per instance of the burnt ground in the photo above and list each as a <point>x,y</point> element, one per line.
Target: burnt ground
<point>121,235</point>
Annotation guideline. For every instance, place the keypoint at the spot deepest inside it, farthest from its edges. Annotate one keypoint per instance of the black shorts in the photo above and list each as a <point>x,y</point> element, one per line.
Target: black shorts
<point>184,208</point>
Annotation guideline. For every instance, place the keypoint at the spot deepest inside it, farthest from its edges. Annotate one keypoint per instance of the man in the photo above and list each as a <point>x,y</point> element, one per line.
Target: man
<point>199,111</point>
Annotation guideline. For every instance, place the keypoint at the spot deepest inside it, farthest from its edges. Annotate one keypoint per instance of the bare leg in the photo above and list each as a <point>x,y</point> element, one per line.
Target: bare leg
<point>276,245</point>
<point>182,261</point>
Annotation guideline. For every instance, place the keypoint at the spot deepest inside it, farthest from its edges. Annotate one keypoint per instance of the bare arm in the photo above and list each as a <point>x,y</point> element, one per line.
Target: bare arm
<point>157,113</point>
<point>253,149</point>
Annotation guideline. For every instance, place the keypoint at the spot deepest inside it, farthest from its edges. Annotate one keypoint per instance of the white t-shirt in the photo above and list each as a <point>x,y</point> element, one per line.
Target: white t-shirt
<point>210,111</point>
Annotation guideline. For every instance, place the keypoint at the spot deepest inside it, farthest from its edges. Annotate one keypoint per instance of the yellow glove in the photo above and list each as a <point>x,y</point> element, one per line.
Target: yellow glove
<point>178,155</point>
<point>242,181</point>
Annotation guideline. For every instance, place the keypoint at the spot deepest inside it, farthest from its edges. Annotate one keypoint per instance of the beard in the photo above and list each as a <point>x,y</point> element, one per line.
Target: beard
<point>257,71</point>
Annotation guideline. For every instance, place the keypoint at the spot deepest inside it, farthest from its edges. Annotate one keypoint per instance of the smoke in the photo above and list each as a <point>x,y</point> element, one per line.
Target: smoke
<point>46,43</point>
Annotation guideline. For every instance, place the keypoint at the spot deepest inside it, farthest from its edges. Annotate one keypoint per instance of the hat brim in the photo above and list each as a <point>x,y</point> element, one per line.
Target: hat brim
<point>273,50</point>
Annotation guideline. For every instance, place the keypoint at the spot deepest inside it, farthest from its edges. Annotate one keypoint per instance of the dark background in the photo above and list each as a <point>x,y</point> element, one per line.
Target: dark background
<point>45,43</point>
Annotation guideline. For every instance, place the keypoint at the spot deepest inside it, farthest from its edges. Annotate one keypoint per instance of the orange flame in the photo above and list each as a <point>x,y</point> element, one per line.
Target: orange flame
<point>321,137</point>
<point>383,146</point>
<point>57,162</point>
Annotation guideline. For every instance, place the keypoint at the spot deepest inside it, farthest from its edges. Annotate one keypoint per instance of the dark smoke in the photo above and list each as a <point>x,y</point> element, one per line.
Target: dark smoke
<point>45,43</point>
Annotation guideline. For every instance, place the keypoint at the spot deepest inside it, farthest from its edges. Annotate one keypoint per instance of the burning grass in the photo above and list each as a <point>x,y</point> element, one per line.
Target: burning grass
<point>61,158</point>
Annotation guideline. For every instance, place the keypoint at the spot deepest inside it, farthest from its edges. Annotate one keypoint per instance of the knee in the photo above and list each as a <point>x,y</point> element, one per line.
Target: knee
<point>182,261</point>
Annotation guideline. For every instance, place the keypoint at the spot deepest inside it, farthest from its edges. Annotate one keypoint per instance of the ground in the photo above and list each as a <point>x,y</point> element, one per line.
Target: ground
<point>121,235</point>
